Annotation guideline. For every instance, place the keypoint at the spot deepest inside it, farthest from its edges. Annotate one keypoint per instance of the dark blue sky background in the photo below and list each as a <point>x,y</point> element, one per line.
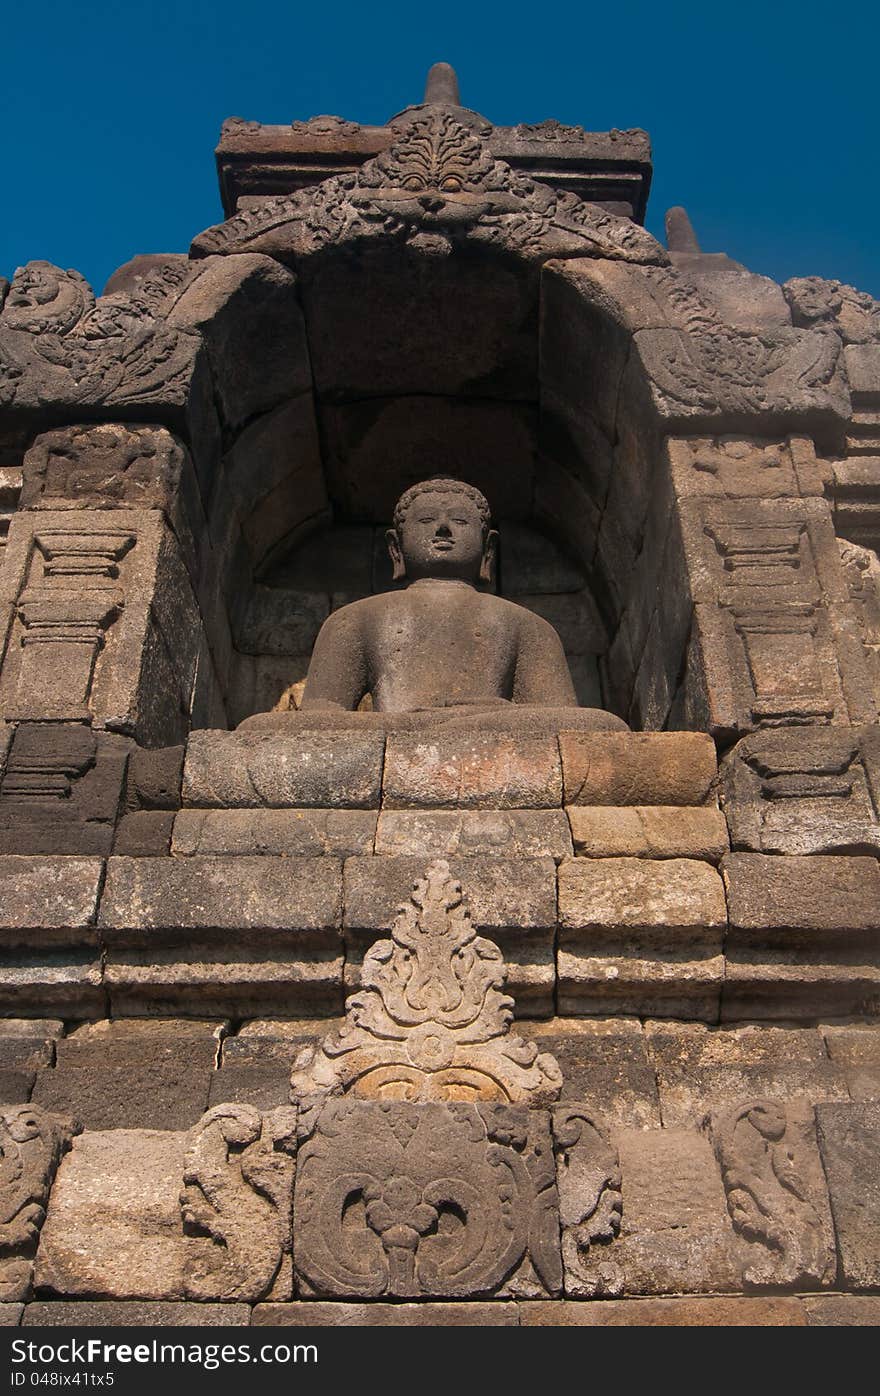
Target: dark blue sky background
<point>763,116</point>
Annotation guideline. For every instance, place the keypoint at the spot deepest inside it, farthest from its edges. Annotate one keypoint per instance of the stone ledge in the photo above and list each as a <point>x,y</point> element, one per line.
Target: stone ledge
<point>724,1312</point>
<point>302,833</point>
<point>467,771</point>
<point>258,900</point>
<point>95,1313</point>
<point>636,768</point>
<point>642,934</point>
<point>49,901</point>
<point>644,831</point>
<point>233,981</point>
<point>323,1313</point>
<point>515,833</point>
<point>338,770</point>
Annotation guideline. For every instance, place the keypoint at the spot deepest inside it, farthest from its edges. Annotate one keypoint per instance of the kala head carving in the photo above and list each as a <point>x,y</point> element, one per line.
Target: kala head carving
<point>431,1020</point>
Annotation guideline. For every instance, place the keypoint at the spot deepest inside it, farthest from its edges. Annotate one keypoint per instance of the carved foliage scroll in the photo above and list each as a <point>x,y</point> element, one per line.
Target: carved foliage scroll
<point>32,1143</point>
<point>776,1194</point>
<point>590,1202</point>
<point>238,1184</point>
<point>421,1200</point>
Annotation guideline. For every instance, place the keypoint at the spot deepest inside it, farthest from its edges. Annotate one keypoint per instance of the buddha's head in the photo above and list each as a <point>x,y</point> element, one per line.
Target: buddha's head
<point>442,529</point>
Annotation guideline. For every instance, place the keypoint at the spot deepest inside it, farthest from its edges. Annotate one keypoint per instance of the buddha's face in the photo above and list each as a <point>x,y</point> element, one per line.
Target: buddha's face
<point>441,536</point>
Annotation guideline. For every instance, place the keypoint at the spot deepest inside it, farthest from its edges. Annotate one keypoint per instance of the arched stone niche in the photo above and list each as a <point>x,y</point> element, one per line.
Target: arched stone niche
<point>656,432</point>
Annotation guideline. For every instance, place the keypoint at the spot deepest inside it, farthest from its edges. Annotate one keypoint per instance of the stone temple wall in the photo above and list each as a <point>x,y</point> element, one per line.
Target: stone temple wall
<point>227,1095</point>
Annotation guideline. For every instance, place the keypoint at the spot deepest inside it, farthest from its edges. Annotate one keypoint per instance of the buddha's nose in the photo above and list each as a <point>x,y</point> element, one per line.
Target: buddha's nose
<point>443,531</point>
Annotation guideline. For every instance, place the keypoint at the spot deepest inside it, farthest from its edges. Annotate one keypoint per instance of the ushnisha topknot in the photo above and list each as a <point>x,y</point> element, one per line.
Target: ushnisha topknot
<point>444,484</point>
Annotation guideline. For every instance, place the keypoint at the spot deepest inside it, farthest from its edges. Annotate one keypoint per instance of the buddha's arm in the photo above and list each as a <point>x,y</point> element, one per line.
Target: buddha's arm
<point>337,676</point>
<point>542,676</point>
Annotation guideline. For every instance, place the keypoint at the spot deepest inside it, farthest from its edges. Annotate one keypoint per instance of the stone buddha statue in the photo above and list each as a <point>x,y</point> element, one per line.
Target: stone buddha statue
<point>440,651</point>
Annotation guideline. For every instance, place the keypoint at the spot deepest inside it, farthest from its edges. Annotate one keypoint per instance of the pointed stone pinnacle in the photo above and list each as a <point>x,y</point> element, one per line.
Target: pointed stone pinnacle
<point>680,235</point>
<point>441,86</point>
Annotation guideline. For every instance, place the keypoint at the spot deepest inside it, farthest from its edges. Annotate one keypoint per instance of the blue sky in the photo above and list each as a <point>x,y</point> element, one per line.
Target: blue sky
<point>763,116</point>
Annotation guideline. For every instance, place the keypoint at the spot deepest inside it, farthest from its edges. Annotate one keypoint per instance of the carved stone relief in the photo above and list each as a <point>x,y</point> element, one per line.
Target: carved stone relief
<point>59,344</point>
<point>801,791</point>
<point>103,465</point>
<point>430,1020</point>
<point>590,1203</point>
<point>776,1193</point>
<point>437,184</point>
<point>774,618</point>
<point>32,1143</point>
<point>104,624</point>
<point>237,1195</point>
<point>426,1200</point>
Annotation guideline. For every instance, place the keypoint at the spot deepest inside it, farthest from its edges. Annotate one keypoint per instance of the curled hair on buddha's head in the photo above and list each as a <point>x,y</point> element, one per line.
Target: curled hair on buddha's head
<point>443,484</point>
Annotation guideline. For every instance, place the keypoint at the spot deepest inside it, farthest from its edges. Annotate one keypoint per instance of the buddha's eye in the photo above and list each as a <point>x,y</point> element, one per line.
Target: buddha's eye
<point>451,184</point>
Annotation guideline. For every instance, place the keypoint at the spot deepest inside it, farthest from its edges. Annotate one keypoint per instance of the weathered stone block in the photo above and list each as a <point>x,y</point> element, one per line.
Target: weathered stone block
<point>86,1313</point>
<point>776,1193</point>
<point>636,768</point>
<point>802,936</point>
<point>636,932</point>
<point>106,626</point>
<point>766,1312</point>
<point>113,1227</point>
<point>43,983</point>
<point>802,894</point>
<point>261,1041</point>
<point>802,790</point>
<point>10,1315</point>
<point>161,901</point>
<point>604,1067</point>
<point>516,833</point>
<point>849,1140</point>
<point>512,900</point>
<point>644,832</point>
<point>61,790</point>
<point>33,1142</point>
<point>229,980</point>
<point>319,1313</point>
<point>144,833</point>
<point>265,1087</point>
<point>675,1234</point>
<point>842,1310</point>
<point>290,832</point>
<point>125,1075</point>
<point>466,771</point>
<point>248,770</point>
<point>27,1044</point>
<point>235,304</point>
<point>48,901</point>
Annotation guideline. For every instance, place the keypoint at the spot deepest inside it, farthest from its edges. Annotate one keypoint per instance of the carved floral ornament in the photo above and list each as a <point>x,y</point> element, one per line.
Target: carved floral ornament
<point>431,1020</point>
<point>437,184</point>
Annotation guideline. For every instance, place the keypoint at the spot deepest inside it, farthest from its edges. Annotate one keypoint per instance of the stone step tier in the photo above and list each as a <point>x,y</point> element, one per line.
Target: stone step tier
<point>600,863</point>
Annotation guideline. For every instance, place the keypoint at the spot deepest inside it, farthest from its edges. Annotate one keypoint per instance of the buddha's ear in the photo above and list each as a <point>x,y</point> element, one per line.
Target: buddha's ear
<point>490,551</point>
<point>397,563</point>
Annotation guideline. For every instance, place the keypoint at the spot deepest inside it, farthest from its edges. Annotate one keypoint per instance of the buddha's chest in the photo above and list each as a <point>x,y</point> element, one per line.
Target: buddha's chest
<point>454,643</point>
